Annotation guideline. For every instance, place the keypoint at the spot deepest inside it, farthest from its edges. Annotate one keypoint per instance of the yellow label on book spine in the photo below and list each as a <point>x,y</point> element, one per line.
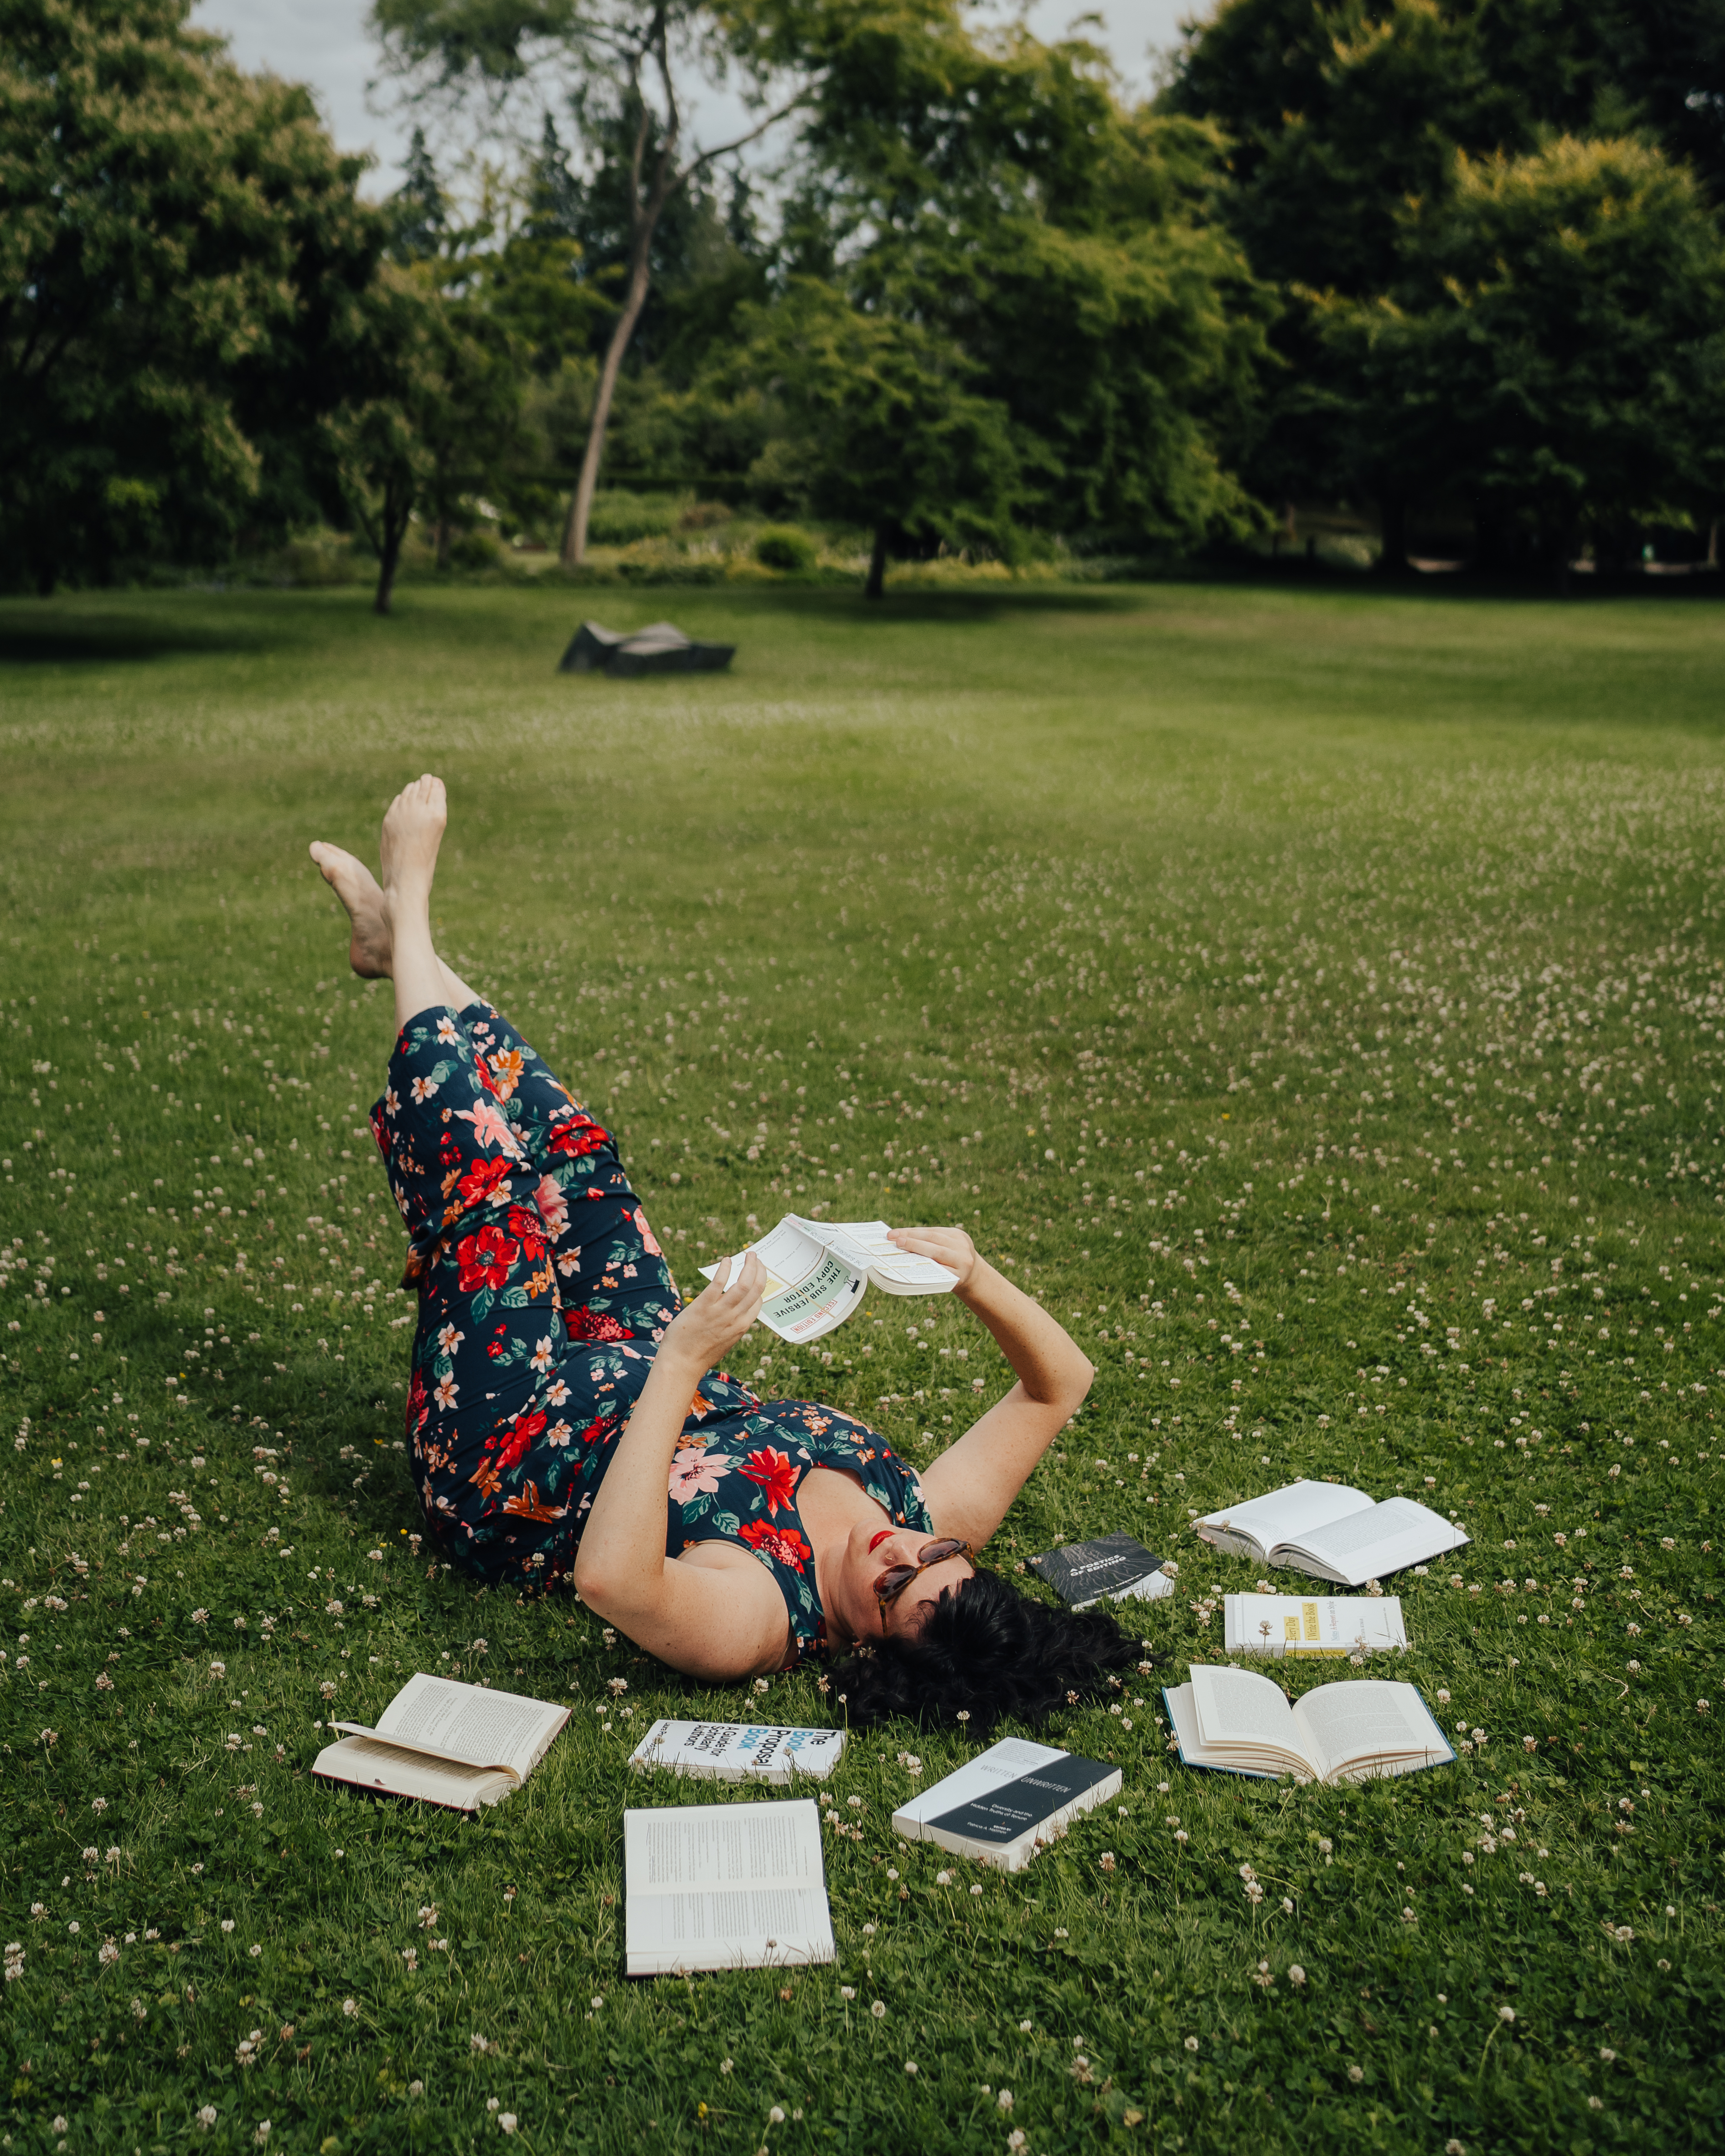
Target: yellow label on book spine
<point>1291,1627</point>
<point>1308,1611</point>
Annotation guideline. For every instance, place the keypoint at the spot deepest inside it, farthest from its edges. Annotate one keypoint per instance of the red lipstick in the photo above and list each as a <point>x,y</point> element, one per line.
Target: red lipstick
<point>886,1535</point>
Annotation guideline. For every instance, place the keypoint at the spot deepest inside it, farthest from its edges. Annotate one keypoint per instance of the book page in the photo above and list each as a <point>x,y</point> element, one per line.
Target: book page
<point>739,1928</point>
<point>868,1246</point>
<point>1286,1513</point>
<point>469,1722</point>
<point>809,1290</point>
<point>1368,1722</point>
<point>1238,1707</point>
<point>990,1770</point>
<point>687,1848</point>
<point>1366,1545</point>
<point>367,1764</point>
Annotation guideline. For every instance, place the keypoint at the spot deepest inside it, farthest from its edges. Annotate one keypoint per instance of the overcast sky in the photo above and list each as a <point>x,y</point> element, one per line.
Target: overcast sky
<point>325,44</point>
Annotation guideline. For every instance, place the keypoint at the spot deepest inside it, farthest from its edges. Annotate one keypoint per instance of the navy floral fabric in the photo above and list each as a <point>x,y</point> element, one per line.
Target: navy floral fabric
<point>543,1295</point>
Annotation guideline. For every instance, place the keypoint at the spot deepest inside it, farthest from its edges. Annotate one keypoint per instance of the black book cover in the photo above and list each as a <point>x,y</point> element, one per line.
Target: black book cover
<point>1023,1804</point>
<point>1081,1572</point>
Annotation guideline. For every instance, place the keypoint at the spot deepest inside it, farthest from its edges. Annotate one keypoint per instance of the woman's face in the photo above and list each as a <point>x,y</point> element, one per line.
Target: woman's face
<point>851,1607</point>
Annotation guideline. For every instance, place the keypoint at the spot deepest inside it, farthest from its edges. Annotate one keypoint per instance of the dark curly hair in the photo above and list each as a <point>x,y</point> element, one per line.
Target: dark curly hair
<point>985,1651</point>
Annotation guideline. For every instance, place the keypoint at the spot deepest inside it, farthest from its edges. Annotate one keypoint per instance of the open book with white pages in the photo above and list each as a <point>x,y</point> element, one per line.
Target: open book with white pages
<point>1332,1532</point>
<point>724,1886</point>
<point>818,1272</point>
<point>1241,1723</point>
<point>445,1742</point>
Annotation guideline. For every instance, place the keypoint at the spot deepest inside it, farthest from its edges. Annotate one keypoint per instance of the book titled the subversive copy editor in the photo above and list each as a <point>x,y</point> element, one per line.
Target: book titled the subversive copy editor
<point>1007,1802</point>
<point>1115,1568</point>
<point>1332,1531</point>
<point>445,1742</point>
<point>736,1886</point>
<point>737,1751</point>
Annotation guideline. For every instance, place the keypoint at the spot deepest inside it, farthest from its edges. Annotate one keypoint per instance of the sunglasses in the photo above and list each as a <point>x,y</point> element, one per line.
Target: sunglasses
<point>896,1578</point>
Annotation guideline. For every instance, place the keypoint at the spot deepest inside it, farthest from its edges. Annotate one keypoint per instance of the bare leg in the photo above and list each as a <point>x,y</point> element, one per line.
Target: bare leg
<point>371,953</point>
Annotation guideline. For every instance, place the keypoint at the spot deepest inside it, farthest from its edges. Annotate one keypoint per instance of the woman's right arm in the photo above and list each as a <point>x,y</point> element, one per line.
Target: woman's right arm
<point>717,1622</point>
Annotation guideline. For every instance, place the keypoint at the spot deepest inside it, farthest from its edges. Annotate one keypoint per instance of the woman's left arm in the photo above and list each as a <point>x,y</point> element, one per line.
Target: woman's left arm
<point>971,1487</point>
<point>717,1625</point>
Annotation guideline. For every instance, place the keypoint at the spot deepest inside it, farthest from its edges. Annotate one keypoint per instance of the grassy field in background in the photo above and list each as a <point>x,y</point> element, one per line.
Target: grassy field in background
<point>1317,997</point>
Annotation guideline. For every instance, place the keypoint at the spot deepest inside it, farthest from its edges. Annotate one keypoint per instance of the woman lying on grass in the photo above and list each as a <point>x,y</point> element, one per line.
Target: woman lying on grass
<point>567,1419</point>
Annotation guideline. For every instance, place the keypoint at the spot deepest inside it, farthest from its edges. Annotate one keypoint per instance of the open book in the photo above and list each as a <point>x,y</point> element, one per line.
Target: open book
<point>1007,1802</point>
<point>1332,1531</point>
<point>724,1886</point>
<point>738,1751</point>
<point>1312,1623</point>
<point>445,1742</point>
<point>1241,1723</point>
<point>818,1272</point>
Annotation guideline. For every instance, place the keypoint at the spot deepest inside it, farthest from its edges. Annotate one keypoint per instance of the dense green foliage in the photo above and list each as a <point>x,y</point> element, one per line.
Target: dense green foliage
<point>1330,1037</point>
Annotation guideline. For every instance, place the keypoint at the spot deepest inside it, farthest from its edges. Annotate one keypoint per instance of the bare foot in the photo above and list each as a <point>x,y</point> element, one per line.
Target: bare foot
<point>412,831</point>
<point>355,886</point>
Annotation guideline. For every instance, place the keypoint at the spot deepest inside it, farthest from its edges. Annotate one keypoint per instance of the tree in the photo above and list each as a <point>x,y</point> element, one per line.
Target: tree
<point>182,258</point>
<point>882,422</point>
<point>625,56</point>
<point>1554,341</point>
<point>994,198</point>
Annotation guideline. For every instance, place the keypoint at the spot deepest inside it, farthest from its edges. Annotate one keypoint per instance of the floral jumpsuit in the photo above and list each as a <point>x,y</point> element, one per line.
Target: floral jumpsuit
<point>542,1298</point>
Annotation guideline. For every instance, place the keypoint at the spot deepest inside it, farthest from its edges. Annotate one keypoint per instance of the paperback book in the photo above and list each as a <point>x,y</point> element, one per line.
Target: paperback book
<point>1007,1802</point>
<point>1312,1623</point>
<point>1115,1568</point>
<point>1238,1722</point>
<point>737,1885</point>
<point>738,1751</point>
<point>1332,1532</point>
<point>445,1742</point>
<point>818,1272</point>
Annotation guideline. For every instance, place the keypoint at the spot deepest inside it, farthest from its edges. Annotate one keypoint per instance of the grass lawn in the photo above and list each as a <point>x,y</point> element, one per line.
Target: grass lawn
<point>1317,997</point>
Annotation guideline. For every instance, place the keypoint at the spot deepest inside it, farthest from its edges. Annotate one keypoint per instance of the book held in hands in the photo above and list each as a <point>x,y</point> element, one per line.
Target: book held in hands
<point>1312,1623</point>
<point>1332,1531</point>
<point>1238,1722</point>
<point>738,1752</point>
<point>1115,1568</point>
<point>818,1272</point>
<point>445,1742</point>
<point>1007,1802</point>
<point>739,1885</point>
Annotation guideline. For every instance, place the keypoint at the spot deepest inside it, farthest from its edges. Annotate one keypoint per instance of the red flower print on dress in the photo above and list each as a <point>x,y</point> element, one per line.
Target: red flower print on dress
<point>783,1545</point>
<point>648,1241</point>
<point>489,1127</point>
<point>523,1431</point>
<point>776,1477</point>
<point>481,1179</point>
<point>576,1134</point>
<point>585,1324</point>
<point>526,1222</point>
<point>486,1259</point>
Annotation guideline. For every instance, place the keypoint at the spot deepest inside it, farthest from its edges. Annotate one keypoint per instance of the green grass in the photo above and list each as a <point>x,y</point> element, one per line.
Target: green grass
<point>1337,972</point>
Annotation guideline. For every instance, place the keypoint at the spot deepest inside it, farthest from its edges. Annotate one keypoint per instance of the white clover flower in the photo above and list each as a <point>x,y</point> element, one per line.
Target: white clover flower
<point>878,2009</point>
<point>207,2117</point>
<point>1191,2043</point>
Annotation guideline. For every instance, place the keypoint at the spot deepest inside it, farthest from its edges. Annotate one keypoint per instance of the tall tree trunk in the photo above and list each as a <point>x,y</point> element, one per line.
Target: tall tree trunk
<point>574,548</point>
<point>875,588</point>
<point>392,530</point>
<point>442,542</point>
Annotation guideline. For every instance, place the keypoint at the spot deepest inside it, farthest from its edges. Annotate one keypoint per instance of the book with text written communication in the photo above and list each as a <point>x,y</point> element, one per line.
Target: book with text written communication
<point>1005,1803</point>
<point>1237,1722</point>
<point>1332,1532</point>
<point>740,1886</point>
<point>818,1272</point>
<point>445,1742</point>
